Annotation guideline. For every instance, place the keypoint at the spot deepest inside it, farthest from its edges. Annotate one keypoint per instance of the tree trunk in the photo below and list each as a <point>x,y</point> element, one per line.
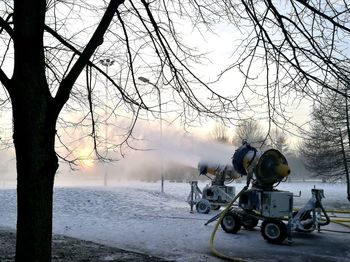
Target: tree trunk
<point>34,120</point>
<point>34,202</point>
<point>34,138</point>
<point>34,207</point>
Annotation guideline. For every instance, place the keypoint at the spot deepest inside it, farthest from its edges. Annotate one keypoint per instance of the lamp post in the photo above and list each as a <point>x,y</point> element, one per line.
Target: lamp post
<point>106,62</point>
<point>146,80</point>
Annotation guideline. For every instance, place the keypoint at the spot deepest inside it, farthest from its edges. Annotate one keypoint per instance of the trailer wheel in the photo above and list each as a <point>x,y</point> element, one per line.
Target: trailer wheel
<point>274,231</point>
<point>203,206</point>
<point>231,223</point>
<point>249,222</point>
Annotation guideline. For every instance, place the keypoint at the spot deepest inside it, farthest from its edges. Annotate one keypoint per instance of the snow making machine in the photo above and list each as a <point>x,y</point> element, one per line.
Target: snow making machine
<point>218,193</point>
<point>259,200</point>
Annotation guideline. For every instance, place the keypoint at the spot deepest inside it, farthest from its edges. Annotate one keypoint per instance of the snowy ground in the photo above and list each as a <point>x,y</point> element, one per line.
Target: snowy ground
<point>136,216</point>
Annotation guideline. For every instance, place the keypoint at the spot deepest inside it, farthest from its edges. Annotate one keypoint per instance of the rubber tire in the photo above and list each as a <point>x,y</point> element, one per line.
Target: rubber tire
<point>203,206</point>
<point>274,231</point>
<point>231,223</point>
<point>249,222</point>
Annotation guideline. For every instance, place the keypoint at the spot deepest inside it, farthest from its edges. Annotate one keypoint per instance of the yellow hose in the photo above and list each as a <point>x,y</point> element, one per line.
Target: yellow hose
<point>212,236</point>
<point>337,218</point>
<point>340,220</point>
<point>330,211</point>
<point>338,211</point>
<point>341,223</point>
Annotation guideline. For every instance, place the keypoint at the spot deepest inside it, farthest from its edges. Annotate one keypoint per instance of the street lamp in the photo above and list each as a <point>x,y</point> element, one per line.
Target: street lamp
<point>146,80</point>
<point>106,62</point>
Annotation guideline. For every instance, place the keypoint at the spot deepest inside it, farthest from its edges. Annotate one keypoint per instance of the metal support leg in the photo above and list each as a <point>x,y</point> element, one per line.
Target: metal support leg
<point>195,194</point>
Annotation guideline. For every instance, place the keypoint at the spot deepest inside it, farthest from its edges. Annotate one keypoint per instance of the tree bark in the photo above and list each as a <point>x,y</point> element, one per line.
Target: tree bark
<point>34,120</point>
<point>34,209</point>
<point>34,139</point>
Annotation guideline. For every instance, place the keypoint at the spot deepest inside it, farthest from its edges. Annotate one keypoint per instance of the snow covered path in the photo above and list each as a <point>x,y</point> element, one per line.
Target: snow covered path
<point>137,217</point>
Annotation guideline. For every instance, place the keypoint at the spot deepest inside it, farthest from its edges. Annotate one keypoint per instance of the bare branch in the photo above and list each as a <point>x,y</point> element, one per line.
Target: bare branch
<point>96,40</point>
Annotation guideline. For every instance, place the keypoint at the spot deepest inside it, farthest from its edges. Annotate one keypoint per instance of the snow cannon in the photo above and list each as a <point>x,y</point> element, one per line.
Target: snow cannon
<point>269,168</point>
<point>245,159</point>
<point>218,193</point>
<point>221,173</point>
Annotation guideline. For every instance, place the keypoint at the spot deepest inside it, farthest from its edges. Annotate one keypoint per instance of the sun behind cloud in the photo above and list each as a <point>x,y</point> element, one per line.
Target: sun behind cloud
<point>84,157</point>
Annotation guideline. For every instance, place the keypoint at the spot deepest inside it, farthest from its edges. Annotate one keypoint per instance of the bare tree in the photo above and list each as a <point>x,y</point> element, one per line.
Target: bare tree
<point>220,133</point>
<point>278,140</point>
<point>290,53</point>
<point>251,131</point>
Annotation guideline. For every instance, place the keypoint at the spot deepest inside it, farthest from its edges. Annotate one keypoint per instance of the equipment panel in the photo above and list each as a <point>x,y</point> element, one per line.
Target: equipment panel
<point>276,203</point>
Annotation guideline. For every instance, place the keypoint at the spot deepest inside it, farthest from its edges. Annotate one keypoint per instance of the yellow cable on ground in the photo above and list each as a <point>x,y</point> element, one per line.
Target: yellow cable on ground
<point>212,236</point>
<point>337,216</point>
<point>340,222</point>
<point>337,219</point>
<point>330,211</point>
<point>338,211</point>
<point>340,219</point>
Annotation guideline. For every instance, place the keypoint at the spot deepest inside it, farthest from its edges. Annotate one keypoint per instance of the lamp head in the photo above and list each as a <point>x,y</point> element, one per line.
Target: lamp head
<point>144,79</point>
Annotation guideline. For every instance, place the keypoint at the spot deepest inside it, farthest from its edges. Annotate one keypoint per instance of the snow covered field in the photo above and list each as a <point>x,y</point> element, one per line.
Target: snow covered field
<point>136,216</point>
